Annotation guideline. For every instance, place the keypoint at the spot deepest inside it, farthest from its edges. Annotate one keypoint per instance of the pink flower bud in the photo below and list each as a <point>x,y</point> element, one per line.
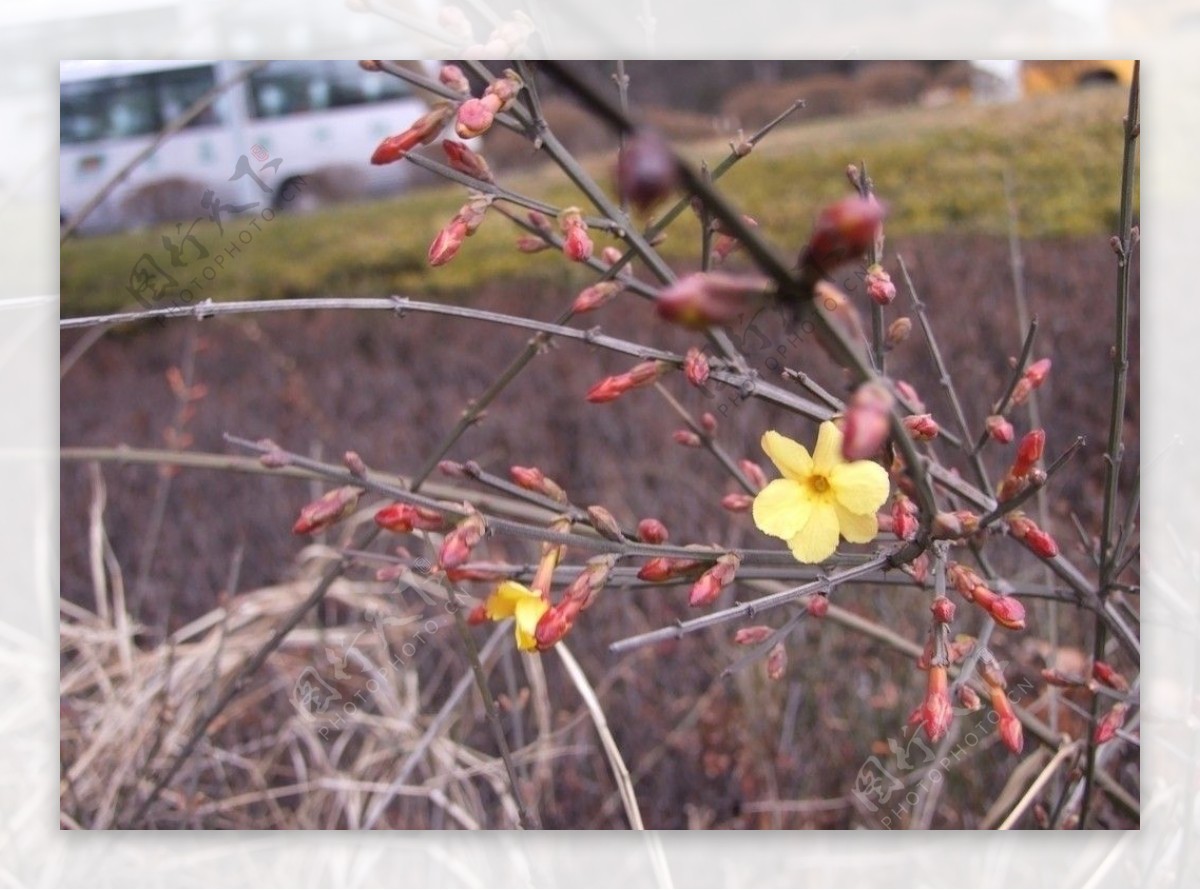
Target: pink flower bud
<point>704,299</point>
<point>904,518</point>
<point>709,585</point>
<point>754,473</point>
<point>596,295</point>
<point>867,422</point>
<point>466,161</point>
<point>1007,612</point>
<point>969,698</point>
<point>1009,727</point>
<point>652,531</point>
<point>817,605</point>
<point>1029,452</point>
<point>686,438</point>
<point>532,244</point>
<point>922,427</point>
<point>577,245</point>
<point>452,77</point>
<point>1055,677</point>
<point>737,502</point>
<point>663,568</point>
<point>646,170</point>
<point>935,711</point>
<point>605,523</point>
<point>331,507</point>
<point>709,422</point>
<point>843,230</point>
<point>752,636</point>
<point>354,463</point>
<point>445,246</point>
<point>554,625</point>
<point>777,662</point>
<point>1037,372</point>
<point>457,546</point>
<point>474,119</point>
<point>695,367</point>
<point>502,92</point>
<point>999,429</point>
<point>611,388</point>
<point>530,478</point>
<point>1027,532</point>
<point>909,394</point>
<point>879,285</point>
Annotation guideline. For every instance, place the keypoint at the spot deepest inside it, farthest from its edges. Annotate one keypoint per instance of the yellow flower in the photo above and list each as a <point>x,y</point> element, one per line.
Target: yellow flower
<point>819,496</point>
<point>513,600</point>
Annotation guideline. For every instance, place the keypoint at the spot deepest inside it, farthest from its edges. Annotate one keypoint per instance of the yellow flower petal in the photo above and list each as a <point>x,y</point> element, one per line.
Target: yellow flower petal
<point>860,486</point>
<point>528,613</point>
<point>504,599</point>
<point>789,456</point>
<point>819,538</point>
<point>782,508</point>
<point>828,452</point>
<point>857,528</point>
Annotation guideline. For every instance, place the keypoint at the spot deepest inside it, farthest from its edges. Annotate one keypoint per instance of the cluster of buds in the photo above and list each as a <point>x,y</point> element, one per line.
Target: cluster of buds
<point>879,285</point>
<point>533,479</point>
<point>1034,376</point>
<point>646,170</point>
<point>641,374</point>
<point>464,224</point>
<point>331,507</point>
<point>577,246</point>
<point>1009,726</point>
<point>705,299</point>
<point>709,585</point>
<point>1025,530</point>
<point>843,231</point>
<point>579,595</point>
<point>1007,611</point>
<point>867,422</point>
<point>405,518</point>
<point>458,544</point>
<point>999,428</point>
<point>421,132</point>
<point>1024,470</point>
<point>725,243</point>
<point>467,162</point>
<point>476,116</point>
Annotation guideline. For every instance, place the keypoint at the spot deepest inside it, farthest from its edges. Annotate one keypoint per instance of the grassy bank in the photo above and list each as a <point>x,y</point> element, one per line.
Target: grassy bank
<point>938,170</point>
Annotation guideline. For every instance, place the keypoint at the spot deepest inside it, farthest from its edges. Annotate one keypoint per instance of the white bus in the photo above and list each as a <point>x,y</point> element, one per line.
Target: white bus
<point>289,123</point>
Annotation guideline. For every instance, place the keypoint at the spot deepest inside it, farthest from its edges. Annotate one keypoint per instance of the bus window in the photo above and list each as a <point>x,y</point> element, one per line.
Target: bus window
<point>284,88</point>
<point>178,90</point>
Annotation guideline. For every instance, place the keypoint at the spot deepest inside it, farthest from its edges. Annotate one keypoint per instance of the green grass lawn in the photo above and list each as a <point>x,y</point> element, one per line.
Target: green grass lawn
<point>937,170</point>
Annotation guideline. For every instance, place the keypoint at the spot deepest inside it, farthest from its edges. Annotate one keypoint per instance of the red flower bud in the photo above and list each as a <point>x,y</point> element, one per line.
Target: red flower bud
<point>1000,429</point>
<point>331,507</point>
<point>641,374</point>
<point>935,712</point>
<point>477,615</point>
<point>646,170</point>
<point>709,585</point>
<point>843,230</point>
<point>1027,532</point>
<point>555,624</point>
<point>663,568</point>
<point>406,517</point>
<point>445,246</point>
<point>1007,612</point>
<point>457,546</point>
<point>879,285</point>
<point>904,518</point>
<point>943,610</point>
<point>1037,372</point>
<point>704,299</point>
<point>817,605</point>
<point>652,531</point>
<point>1009,726</point>
<point>577,245</point>
<point>1107,728</point>
<point>466,161</point>
<point>1029,452</point>
<point>530,478</point>
<point>695,367</point>
<point>422,131</point>
<point>1108,675</point>
<point>922,427</point>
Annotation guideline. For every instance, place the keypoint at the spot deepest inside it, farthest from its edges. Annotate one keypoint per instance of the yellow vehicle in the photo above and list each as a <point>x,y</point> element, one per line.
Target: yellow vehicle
<point>1052,76</point>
